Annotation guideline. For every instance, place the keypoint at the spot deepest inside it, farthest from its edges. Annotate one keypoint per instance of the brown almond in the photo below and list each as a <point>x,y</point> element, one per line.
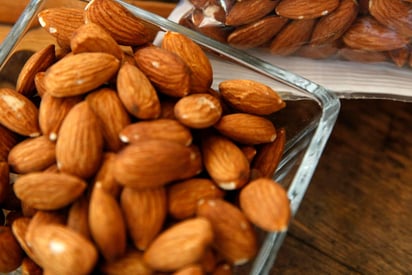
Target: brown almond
<point>225,162</point>
<point>247,11</point>
<point>182,244</point>
<point>80,73</point>
<point>79,147</point>
<point>201,73</point>
<point>167,71</point>
<point>105,175</point>
<point>198,111</point>
<point>145,213</point>
<point>11,254</point>
<point>107,225</point>
<point>7,141</point>
<point>246,128</point>
<point>4,180</point>
<point>48,191</point>
<point>38,62</point>
<point>234,237</point>
<point>137,93</point>
<point>113,115</point>
<point>18,114</point>
<point>78,216</point>
<point>250,96</point>
<point>306,9</point>
<point>19,228</point>
<point>266,204</point>
<point>131,263</point>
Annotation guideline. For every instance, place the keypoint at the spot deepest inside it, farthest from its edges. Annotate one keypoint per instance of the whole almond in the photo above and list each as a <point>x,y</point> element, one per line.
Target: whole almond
<point>256,33</point>
<point>107,226</point>
<point>167,71</point>
<point>113,115</point>
<point>32,154</point>
<point>18,114</point>
<point>266,204</point>
<point>201,73</point>
<point>123,26</point>
<point>145,213</point>
<point>61,22</point>
<point>247,11</point>
<point>306,9</point>
<point>250,96</point>
<point>294,35</point>
<point>80,73</point>
<point>246,128</point>
<point>137,93</point>
<point>155,129</point>
<point>79,147</point>
<point>11,255</point>
<point>63,251</point>
<point>152,163</point>
<point>38,62</point>
<point>225,162</point>
<point>234,237</point>
<point>183,196</point>
<point>48,191</point>
<point>131,263</point>
<point>180,245</point>
<point>332,26</point>
<point>92,37</point>
<point>52,111</point>
<point>366,33</point>
<point>198,111</point>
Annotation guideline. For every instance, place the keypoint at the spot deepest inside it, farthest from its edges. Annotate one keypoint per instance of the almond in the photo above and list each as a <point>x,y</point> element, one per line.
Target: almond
<point>152,163</point>
<point>332,26</point>
<point>19,228</point>
<point>225,162</point>
<point>155,129</point>
<point>38,62</point>
<point>11,255</point>
<point>63,251</point>
<point>246,128</point>
<point>4,181</point>
<point>362,56</point>
<point>123,26</point>
<point>306,9</point>
<point>198,111</point>
<point>234,236</point>
<point>7,140</point>
<point>266,204</point>
<point>399,56</point>
<point>105,175</point>
<point>80,73</point>
<point>294,35</point>
<point>201,73</point>
<point>91,37</point>
<point>247,11</point>
<point>250,96</point>
<point>137,93</point>
<point>107,226</point>
<point>180,245</point>
<point>113,115</point>
<point>52,111</point>
<point>32,154</point>
<point>61,22</point>
<point>256,33</point>
<point>79,147</point>
<point>368,34</point>
<point>78,216</point>
<point>19,114</point>
<point>183,196</point>
<point>167,71</point>
<point>131,263</point>
<point>48,191</point>
<point>145,213</point>
<point>327,50</point>
<point>39,83</point>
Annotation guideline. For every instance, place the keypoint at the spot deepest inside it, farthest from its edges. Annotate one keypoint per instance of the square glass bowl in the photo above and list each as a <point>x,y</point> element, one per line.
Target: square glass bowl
<point>309,116</point>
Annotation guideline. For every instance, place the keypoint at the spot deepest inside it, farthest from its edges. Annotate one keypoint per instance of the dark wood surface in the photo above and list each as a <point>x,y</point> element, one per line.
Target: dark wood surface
<point>356,217</point>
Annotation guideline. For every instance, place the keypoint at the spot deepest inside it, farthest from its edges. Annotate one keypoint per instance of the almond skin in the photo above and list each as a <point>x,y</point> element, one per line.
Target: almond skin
<point>306,9</point>
<point>48,191</point>
<point>79,147</point>
<point>79,73</point>
<point>250,96</point>
<point>247,11</point>
<point>19,114</point>
<point>182,244</point>
<point>266,204</point>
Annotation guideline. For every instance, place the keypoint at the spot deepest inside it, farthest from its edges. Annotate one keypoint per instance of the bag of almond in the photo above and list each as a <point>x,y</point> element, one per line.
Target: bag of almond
<point>356,48</point>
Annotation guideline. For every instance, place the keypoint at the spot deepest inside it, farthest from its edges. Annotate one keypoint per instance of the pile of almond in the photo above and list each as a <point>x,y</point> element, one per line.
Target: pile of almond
<point>355,30</point>
<point>118,157</point>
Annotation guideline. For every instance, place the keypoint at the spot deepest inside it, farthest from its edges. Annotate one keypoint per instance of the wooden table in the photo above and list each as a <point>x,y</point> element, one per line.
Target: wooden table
<point>356,217</point>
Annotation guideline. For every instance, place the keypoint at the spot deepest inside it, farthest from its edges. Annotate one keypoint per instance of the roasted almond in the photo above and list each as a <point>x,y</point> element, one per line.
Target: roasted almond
<point>247,11</point>
<point>306,9</point>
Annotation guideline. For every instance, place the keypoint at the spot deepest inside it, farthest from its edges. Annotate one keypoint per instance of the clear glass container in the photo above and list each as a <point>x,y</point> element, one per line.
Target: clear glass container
<point>308,119</point>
